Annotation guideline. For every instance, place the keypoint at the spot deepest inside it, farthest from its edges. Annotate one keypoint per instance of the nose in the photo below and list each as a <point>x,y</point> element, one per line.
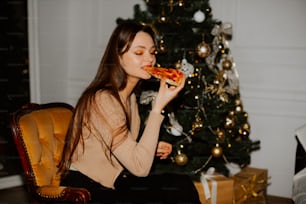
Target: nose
<point>150,58</point>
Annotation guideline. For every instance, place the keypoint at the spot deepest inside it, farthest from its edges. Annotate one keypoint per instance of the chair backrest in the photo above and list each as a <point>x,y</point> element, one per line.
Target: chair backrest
<point>39,133</point>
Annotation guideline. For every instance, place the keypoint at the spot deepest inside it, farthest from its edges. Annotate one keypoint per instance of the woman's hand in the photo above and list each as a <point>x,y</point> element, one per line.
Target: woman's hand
<point>165,94</point>
<point>164,149</point>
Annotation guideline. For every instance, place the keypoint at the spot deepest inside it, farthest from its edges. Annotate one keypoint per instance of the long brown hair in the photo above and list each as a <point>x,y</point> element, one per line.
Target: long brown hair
<point>110,77</point>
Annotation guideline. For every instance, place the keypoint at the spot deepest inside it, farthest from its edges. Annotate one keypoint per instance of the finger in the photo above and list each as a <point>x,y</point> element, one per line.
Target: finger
<point>163,82</point>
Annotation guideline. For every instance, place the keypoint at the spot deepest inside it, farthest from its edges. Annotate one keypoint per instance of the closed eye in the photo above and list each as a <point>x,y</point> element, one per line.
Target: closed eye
<point>139,53</point>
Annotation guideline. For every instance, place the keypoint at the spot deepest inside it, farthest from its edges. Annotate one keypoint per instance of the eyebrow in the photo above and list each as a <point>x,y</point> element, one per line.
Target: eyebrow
<point>143,47</point>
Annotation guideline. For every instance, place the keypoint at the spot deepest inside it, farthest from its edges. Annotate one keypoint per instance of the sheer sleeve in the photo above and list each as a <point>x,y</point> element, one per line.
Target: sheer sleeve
<point>109,121</point>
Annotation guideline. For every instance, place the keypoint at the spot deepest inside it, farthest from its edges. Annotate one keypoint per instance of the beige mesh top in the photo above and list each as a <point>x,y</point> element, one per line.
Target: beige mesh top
<point>108,121</point>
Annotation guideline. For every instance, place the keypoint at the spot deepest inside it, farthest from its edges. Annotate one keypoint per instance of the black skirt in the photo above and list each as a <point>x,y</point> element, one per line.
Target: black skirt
<point>154,189</point>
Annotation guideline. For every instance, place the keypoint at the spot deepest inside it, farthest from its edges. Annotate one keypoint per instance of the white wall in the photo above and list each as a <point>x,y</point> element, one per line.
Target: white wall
<point>269,47</point>
<point>68,37</point>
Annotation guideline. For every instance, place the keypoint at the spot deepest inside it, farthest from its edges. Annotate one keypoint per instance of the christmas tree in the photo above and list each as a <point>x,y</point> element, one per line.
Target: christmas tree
<point>206,123</point>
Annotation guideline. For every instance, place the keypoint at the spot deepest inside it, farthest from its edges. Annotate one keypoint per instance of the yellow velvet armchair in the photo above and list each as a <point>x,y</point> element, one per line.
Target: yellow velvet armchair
<point>39,132</point>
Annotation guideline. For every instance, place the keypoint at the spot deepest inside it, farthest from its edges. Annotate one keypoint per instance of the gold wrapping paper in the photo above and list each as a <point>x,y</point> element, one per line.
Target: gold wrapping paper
<point>223,194</point>
<point>250,186</point>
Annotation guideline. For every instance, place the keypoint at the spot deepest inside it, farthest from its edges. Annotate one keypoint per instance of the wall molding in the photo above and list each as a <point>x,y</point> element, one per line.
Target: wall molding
<point>34,51</point>
<point>11,181</point>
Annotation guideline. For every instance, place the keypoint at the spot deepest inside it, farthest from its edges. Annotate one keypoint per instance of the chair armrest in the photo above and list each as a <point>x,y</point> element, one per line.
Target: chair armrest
<point>75,195</point>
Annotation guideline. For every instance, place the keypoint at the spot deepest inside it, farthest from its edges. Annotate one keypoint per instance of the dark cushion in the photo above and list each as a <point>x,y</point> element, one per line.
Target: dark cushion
<point>300,157</point>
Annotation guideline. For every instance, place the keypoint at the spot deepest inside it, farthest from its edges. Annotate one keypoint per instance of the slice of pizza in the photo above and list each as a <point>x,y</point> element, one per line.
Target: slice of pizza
<point>172,76</point>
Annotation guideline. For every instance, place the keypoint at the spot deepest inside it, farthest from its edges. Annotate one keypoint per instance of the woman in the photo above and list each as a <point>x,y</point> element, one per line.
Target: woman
<point>102,151</point>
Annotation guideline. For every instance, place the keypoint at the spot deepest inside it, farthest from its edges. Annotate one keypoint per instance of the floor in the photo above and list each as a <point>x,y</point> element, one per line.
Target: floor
<point>15,195</point>
<point>18,195</point>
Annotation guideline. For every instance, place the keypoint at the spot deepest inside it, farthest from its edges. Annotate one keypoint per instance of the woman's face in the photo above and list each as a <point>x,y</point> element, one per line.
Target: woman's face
<point>140,55</point>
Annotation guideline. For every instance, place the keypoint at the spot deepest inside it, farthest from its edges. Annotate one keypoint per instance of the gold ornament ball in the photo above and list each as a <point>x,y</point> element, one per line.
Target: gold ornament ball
<point>231,113</point>
<point>162,48</point>
<point>181,159</point>
<point>163,18</point>
<point>217,151</point>
<point>244,133</point>
<point>229,122</point>
<point>203,49</point>
<point>238,102</point>
<point>221,46</point>
<point>227,64</point>
<point>230,131</point>
<point>197,124</point>
<point>221,134</point>
<point>246,126</point>
<point>181,3</point>
<point>245,114</point>
<point>238,109</point>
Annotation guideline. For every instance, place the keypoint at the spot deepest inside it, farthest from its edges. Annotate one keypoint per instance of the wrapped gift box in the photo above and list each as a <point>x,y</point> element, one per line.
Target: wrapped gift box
<point>250,186</point>
<point>217,189</point>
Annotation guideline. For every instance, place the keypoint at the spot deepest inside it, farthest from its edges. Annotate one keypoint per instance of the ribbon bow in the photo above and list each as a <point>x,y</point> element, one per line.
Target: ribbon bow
<point>249,190</point>
<point>204,180</point>
<point>147,97</point>
<point>224,28</point>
